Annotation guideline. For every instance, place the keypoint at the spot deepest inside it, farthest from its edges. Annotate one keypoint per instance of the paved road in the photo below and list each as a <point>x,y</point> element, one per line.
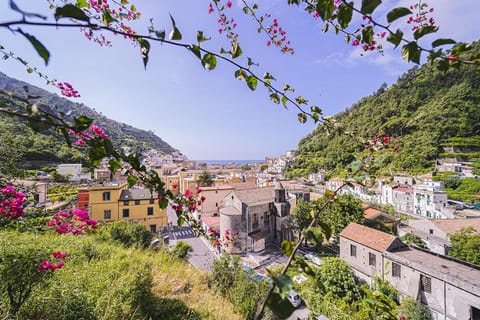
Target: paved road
<point>202,256</point>
<point>301,312</point>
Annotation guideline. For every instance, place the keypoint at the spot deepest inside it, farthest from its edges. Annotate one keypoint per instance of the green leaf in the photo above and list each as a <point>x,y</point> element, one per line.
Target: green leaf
<point>114,165</point>
<point>284,284</point>
<point>252,82</point>
<point>245,10</point>
<point>107,17</point>
<point>267,75</point>
<point>41,50</point>
<point>367,34</point>
<point>236,50</point>
<point>424,31</point>
<point>82,3</point>
<point>368,6</point>
<point>325,9</point>
<point>287,248</point>
<point>200,37</point>
<point>316,109</point>
<point>180,221</point>
<point>397,13</point>
<point>241,75</point>
<point>144,50</point>
<point>175,33</point>
<point>302,117</point>
<point>284,101</point>
<point>196,51</point>
<point>96,154</point>
<point>411,52</point>
<point>132,180</point>
<point>71,11</point>
<point>275,98</point>
<point>442,41</point>
<point>314,235</point>
<point>82,123</point>
<point>395,38</point>
<point>209,61</point>
<point>344,15</point>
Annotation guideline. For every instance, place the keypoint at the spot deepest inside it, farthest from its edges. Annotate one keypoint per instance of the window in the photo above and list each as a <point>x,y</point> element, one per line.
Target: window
<point>150,211</point>
<point>106,196</point>
<point>126,213</point>
<point>396,270</point>
<point>137,202</point>
<point>353,250</point>
<point>125,202</point>
<point>152,201</point>
<point>153,228</point>
<point>107,214</point>
<point>425,283</point>
<point>372,259</point>
<point>431,231</point>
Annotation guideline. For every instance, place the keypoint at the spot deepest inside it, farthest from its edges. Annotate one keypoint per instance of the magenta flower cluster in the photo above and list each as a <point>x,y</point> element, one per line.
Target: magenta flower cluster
<point>67,89</point>
<point>48,265</point>
<point>75,222</point>
<point>82,135</point>
<point>11,203</point>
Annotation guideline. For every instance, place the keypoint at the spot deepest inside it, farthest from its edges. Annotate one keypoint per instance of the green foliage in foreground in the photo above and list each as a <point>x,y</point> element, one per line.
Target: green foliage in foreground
<point>181,249</point>
<point>99,280</point>
<point>229,280</point>
<point>335,292</point>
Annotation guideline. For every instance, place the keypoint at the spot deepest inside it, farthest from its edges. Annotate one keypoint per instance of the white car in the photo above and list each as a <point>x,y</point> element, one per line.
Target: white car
<point>314,259</point>
<point>294,298</point>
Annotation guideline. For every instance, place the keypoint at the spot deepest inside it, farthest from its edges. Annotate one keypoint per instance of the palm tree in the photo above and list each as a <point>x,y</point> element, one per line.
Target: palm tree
<point>205,179</point>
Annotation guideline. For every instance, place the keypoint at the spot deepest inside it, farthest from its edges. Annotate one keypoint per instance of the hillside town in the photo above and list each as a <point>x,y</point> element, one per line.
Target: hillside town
<point>251,205</point>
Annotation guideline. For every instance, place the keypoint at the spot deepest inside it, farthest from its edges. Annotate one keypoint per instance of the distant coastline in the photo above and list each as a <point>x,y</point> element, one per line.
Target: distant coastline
<point>224,162</point>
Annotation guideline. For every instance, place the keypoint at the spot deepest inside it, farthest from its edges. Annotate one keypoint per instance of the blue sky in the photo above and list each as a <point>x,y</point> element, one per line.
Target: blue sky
<point>210,114</point>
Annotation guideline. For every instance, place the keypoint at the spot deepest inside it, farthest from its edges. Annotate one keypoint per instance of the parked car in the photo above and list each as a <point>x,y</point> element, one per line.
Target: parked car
<point>294,298</point>
<point>314,259</point>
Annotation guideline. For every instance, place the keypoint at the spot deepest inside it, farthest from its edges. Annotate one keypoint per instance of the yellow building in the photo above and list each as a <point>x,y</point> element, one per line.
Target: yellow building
<point>118,203</point>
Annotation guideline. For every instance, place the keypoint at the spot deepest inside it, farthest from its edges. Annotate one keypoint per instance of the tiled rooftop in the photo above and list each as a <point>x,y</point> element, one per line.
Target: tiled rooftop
<point>374,239</point>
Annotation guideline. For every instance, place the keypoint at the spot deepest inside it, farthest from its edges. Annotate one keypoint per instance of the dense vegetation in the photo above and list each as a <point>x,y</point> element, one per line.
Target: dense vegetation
<point>337,293</point>
<point>107,275</point>
<point>47,149</point>
<point>428,113</point>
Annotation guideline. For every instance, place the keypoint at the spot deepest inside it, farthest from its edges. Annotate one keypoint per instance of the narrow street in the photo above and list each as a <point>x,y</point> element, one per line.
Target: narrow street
<point>202,256</point>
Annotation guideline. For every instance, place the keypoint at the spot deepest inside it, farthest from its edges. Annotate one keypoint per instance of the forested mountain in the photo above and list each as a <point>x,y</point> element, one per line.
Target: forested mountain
<point>47,149</point>
<point>429,113</point>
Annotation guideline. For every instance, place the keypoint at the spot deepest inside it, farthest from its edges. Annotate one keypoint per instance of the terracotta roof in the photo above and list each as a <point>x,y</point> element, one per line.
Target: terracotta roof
<point>369,237</point>
<point>403,189</point>
<point>256,195</point>
<point>450,226</point>
<point>371,213</point>
<point>211,221</point>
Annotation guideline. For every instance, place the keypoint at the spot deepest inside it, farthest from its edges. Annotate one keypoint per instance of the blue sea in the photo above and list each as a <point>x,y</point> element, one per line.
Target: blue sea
<point>223,162</point>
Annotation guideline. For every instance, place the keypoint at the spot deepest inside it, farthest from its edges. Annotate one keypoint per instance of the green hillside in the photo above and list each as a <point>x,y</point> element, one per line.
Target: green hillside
<point>429,114</point>
<point>45,149</point>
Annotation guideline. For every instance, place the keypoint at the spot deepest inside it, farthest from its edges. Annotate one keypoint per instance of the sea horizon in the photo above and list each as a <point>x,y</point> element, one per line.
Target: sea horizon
<point>223,162</point>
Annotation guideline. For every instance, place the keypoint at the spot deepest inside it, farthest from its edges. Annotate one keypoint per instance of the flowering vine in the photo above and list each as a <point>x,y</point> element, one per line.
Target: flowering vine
<point>11,203</point>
